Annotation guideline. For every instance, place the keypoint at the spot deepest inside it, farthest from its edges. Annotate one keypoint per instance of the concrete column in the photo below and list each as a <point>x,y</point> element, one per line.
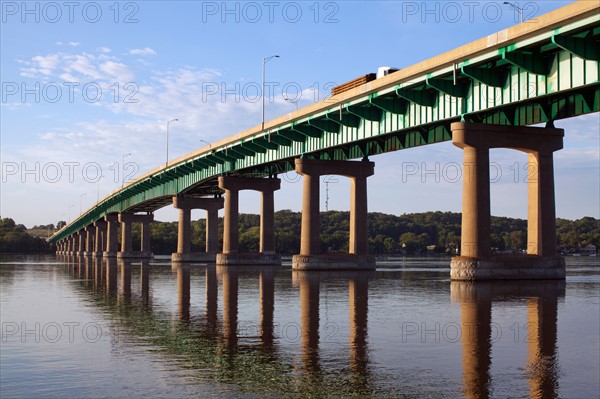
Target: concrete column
<point>99,246</point>
<point>145,237</point>
<point>125,234</point>
<point>212,229</point>
<point>475,236</point>
<point>359,233</point>
<point>112,228</point>
<point>184,233</point>
<point>82,242</point>
<point>541,220</point>
<point>90,239</point>
<point>230,228</point>
<point>267,222</point>
<point>310,240</point>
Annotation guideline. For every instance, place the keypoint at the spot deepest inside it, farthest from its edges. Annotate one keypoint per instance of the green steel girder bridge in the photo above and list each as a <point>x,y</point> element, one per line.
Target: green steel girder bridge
<point>531,73</point>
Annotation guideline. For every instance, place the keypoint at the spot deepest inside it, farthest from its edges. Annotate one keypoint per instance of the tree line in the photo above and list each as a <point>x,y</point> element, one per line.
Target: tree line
<point>415,233</point>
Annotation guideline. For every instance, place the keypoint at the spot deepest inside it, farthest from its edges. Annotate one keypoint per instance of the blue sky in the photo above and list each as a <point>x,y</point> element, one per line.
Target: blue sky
<point>85,83</point>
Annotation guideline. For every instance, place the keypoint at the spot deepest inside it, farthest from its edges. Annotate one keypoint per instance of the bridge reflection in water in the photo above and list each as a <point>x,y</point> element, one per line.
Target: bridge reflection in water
<point>541,333</point>
<point>217,337</point>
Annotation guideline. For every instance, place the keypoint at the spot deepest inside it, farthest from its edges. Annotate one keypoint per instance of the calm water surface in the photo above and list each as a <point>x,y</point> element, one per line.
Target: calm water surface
<point>76,327</point>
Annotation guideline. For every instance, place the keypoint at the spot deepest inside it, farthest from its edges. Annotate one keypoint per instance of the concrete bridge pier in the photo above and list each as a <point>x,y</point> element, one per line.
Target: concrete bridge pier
<point>184,235</point>
<point>310,257</point>
<point>90,232</point>
<point>112,228</point>
<point>100,241</point>
<point>72,245</point>
<point>126,220</point>
<point>230,255</point>
<point>476,261</point>
<point>80,242</point>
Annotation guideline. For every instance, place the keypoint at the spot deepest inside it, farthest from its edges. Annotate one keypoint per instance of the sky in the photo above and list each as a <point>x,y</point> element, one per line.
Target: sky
<point>89,87</point>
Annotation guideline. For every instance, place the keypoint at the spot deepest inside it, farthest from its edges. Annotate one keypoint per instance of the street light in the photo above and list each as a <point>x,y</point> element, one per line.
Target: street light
<point>81,203</point>
<point>206,142</point>
<point>265,60</point>
<point>168,123</point>
<point>123,168</point>
<point>520,10</point>
<point>295,102</point>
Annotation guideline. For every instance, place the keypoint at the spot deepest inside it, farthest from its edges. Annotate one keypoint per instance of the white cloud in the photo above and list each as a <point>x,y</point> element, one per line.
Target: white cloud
<point>50,61</point>
<point>120,72</point>
<point>103,50</point>
<point>74,44</point>
<point>142,51</point>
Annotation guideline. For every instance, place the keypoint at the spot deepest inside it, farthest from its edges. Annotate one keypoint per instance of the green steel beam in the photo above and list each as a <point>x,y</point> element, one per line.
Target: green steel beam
<point>282,141</point>
<point>266,143</point>
<point>460,89</point>
<point>343,118</point>
<point>326,125</point>
<point>307,130</point>
<point>292,135</point>
<point>533,63</point>
<point>492,77</point>
<point>422,97</point>
<point>366,111</point>
<point>253,147</point>
<point>585,47</point>
<point>392,104</point>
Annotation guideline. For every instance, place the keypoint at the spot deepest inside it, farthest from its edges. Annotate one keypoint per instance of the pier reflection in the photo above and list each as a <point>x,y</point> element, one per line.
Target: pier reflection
<point>476,301</point>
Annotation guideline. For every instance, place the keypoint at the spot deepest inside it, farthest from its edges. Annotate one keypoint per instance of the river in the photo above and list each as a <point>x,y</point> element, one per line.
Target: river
<point>77,327</point>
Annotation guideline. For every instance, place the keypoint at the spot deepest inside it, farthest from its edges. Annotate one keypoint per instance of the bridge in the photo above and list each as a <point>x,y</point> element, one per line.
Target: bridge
<point>482,95</point>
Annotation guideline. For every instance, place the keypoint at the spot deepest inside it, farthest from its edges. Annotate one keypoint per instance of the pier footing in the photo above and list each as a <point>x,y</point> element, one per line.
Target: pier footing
<point>525,267</point>
<point>135,255</point>
<point>193,257</point>
<point>253,259</point>
<point>333,262</point>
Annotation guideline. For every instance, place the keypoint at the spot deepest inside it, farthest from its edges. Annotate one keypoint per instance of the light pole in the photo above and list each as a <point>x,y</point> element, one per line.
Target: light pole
<point>168,123</point>
<point>265,60</point>
<point>520,10</point>
<point>123,168</point>
<point>295,102</point>
<point>81,202</point>
<point>206,142</point>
